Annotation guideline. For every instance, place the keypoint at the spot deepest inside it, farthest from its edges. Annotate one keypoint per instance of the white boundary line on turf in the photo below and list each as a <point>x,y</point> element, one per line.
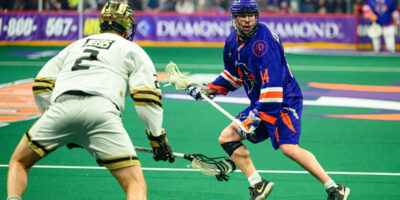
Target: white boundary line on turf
<point>220,66</point>
<point>296,68</point>
<point>184,169</point>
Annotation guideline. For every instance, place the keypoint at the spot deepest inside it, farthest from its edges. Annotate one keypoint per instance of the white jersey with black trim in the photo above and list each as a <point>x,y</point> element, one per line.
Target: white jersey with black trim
<point>105,65</point>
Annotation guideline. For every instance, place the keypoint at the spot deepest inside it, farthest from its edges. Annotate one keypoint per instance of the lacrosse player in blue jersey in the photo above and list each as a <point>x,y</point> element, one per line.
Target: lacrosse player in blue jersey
<point>254,58</point>
<point>384,13</point>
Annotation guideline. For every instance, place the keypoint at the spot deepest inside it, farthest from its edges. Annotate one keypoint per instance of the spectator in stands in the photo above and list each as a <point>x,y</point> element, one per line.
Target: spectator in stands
<point>56,5</point>
<point>294,6</point>
<point>152,5</point>
<point>136,4</point>
<point>222,5</point>
<point>185,6</point>
<point>341,6</point>
<point>308,6</point>
<point>274,5</point>
<point>330,6</point>
<point>72,4</point>
<point>206,6</point>
<point>25,5</point>
<point>262,5</point>
<point>6,5</point>
<point>322,7</point>
<point>90,4</point>
<point>286,7</point>
<point>100,3</point>
<point>357,6</point>
<point>168,5</point>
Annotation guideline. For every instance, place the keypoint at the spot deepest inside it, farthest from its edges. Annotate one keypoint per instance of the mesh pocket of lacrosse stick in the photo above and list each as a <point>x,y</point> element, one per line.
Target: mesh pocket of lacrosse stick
<point>375,30</point>
<point>175,77</point>
<point>219,166</point>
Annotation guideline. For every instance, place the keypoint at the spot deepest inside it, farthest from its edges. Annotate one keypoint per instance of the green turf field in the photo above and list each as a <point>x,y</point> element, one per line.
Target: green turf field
<point>361,154</point>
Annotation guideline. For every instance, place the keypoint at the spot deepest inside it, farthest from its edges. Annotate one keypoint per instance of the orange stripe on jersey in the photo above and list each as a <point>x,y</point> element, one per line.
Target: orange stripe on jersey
<point>268,118</point>
<point>232,79</point>
<point>276,134</point>
<point>290,70</point>
<point>270,94</point>
<point>223,90</point>
<point>287,121</point>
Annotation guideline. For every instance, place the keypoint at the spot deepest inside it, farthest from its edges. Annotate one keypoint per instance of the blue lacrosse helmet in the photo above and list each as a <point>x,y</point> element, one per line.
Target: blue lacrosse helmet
<point>239,7</point>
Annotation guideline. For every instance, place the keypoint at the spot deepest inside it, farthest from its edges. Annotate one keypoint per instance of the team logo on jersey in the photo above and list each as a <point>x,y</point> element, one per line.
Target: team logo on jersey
<point>260,47</point>
<point>246,75</point>
<point>98,43</point>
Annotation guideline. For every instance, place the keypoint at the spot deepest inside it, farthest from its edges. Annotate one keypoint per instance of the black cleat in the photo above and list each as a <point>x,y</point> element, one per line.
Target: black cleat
<point>261,190</point>
<point>338,193</point>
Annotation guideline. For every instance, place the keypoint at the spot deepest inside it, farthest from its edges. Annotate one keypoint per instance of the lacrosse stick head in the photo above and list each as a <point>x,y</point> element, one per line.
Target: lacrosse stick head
<point>175,77</point>
<point>218,167</point>
<point>375,30</point>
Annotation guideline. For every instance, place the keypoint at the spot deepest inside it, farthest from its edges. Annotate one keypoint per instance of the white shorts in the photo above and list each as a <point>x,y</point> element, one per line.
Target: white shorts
<point>92,122</point>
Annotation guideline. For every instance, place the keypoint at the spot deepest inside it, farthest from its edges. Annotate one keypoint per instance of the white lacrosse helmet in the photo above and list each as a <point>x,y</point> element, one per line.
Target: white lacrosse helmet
<point>375,30</point>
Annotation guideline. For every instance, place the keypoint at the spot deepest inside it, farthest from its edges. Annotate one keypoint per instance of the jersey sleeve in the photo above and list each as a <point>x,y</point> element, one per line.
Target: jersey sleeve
<point>145,92</point>
<point>271,94</point>
<point>229,79</point>
<point>45,80</point>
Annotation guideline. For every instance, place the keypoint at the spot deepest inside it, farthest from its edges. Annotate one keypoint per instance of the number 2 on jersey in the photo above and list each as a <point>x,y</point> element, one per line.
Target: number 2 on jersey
<point>92,56</point>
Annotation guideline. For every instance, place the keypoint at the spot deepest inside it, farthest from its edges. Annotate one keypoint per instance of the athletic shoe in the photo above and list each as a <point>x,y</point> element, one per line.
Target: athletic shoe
<point>338,193</point>
<point>261,190</point>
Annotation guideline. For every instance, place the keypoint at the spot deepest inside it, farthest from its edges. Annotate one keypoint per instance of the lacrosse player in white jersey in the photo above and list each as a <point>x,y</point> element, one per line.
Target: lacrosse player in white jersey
<point>81,94</point>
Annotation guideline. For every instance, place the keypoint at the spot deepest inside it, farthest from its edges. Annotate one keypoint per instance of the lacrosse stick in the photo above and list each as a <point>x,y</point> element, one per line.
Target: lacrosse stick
<point>218,166</point>
<point>180,81</point>
<point>374,30</point>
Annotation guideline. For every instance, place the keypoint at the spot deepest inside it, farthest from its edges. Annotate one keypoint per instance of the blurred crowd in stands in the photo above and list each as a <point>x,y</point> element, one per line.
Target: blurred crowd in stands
<point>191,6</point>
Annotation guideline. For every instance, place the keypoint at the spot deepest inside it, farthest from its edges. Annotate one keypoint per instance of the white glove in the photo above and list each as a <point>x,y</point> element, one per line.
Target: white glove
<point>196,89</point>
<point>250,124</point>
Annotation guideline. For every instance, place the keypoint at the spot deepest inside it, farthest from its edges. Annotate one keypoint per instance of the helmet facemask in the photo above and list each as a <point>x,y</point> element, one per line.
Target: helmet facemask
<point>118,16</point>
<point>244,11</point>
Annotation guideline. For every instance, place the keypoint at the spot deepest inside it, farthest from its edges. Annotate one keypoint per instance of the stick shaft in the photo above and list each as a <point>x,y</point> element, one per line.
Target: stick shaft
<point>147,150</point>
<point>173,70</point>
<point>220,109</point>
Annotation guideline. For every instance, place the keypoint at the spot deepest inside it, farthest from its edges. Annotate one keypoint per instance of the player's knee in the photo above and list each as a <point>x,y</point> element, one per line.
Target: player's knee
<point>289,150</point>
<point>17,164</point>
<point>231,146</point>
<point>221,140</point>
<point>229,134</point>
<point>136,190</point>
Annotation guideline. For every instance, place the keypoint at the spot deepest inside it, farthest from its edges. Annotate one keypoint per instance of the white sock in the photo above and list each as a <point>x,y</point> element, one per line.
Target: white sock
<point>14,197</point>
<point>330,183</point>
<point>254,178</point>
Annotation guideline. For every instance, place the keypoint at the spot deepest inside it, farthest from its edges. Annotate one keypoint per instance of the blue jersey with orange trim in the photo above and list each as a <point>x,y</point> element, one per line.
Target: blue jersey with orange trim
<point>260,65</point>
<point>383,9</point>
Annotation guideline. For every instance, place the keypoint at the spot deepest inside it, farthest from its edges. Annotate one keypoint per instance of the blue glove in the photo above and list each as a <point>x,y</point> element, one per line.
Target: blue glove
<point>250,124</point>
<point>195,90</point>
